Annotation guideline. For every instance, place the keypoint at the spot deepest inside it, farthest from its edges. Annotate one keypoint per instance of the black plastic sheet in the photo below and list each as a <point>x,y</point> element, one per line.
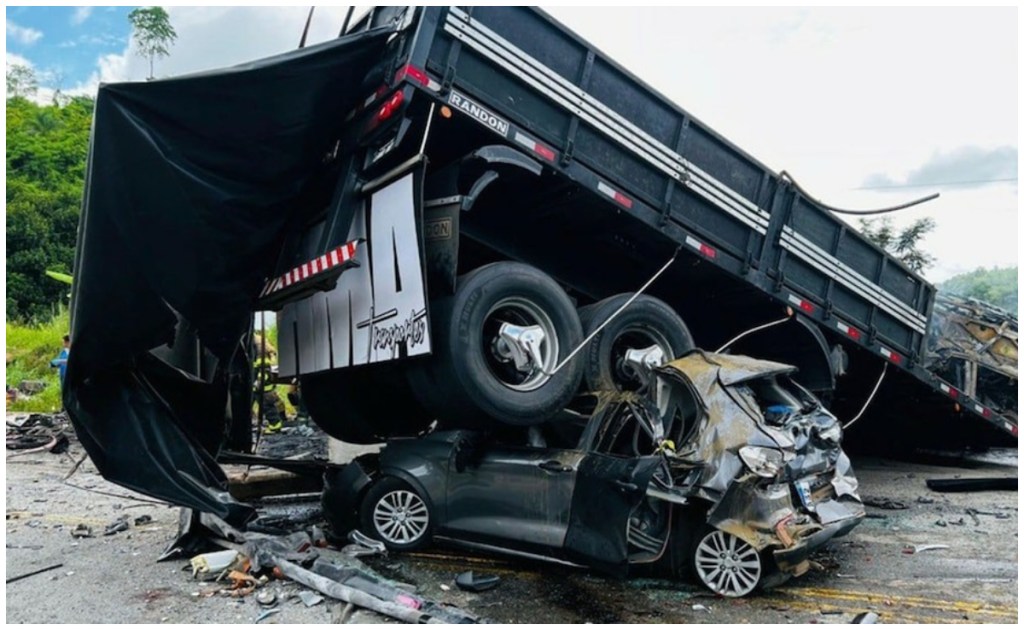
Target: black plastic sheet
<point>192,185</point>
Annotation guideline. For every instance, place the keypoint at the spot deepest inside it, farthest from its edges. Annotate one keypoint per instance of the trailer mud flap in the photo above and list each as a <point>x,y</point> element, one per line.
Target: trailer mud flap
<point>377,312</point>
<point>608,490</point>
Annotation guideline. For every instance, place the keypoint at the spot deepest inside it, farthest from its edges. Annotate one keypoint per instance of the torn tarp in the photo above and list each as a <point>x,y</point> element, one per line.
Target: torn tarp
<point>192,184</point>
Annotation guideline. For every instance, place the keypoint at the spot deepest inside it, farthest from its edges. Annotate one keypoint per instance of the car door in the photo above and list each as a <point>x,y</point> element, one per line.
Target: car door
<point>611,482</point>
<point>607,491</point>
<point>513,496</point>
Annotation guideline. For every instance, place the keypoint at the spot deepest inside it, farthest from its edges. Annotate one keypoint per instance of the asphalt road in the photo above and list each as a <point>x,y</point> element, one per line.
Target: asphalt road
<point>116,579</point>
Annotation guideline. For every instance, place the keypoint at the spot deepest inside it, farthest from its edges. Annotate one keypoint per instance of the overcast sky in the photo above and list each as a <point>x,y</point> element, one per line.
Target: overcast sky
<point>865,107</point>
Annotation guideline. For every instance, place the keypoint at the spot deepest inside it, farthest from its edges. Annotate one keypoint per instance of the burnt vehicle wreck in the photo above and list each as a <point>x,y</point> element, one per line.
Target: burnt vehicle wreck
<point>722,469</point>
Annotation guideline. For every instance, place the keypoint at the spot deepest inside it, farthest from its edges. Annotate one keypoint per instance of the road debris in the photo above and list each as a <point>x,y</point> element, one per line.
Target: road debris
<point>143,520</point>
<point>884,503</point>
<point>347,594</point>
<point>310,599</point>
<point>267,613</point>
<point>120,525</point>
<point>913,549</point>
<point>866,617</point>
<point>974,516</point>
<point>363,545</point>
<point>468,581</point>
<point>213,562</point>
<point>81,531</point>
<point>37,433</point>
<point>979,484</point>
<point>701,608</point>
<point>36,572</point>
<point>266,597</point>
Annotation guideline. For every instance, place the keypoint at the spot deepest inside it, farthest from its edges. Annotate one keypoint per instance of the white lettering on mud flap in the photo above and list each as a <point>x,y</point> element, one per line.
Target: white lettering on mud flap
<point>378,310</point>
<point>479,113</point>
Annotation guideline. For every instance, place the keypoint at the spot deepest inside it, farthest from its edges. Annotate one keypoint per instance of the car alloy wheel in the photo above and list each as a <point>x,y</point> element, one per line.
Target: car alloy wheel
<point>401,518</point>
<point>726,564</point>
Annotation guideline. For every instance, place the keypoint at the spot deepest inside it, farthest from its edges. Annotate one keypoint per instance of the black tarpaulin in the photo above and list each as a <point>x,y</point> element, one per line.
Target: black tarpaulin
<point>191,184</point>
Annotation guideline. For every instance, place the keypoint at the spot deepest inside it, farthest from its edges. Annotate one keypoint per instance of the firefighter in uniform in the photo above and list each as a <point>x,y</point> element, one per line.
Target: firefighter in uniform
<point>263,387</point>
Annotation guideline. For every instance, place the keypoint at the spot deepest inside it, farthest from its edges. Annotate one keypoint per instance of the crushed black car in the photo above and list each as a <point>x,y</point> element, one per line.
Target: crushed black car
<point>723,469</point>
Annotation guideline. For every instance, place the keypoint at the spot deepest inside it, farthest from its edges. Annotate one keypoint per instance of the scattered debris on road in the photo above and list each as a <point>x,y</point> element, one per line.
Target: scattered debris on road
<point>913,549</point>
<point>884,503</point>
<point>120,525</point>
<point>36,572</point>
<point>978,484</point>
<point>310,599</point>
<point>38,432</point>
<point>81,531</point>
<point>214,562</point>
<point>469,581</point>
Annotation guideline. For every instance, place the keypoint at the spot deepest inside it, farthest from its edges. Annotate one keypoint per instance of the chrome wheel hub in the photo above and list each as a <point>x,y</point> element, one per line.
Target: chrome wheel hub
<point>521,344</point>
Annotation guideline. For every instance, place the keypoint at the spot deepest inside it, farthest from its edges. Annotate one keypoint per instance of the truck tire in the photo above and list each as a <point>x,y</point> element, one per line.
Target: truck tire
<point>646,322</point>
<point>363,405</point>
<point>472,379</point>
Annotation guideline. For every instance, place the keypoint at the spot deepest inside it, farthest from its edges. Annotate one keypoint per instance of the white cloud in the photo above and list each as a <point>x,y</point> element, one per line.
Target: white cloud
<point>80,15</point>
<point>23,34</point>
<point>14,59</point>
<point>110,68</point>
<point>835,95</point>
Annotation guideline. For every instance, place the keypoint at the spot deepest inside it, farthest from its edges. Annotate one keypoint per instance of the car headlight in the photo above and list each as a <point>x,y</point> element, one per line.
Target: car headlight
<point>763,462</point>
<point>832,434</point>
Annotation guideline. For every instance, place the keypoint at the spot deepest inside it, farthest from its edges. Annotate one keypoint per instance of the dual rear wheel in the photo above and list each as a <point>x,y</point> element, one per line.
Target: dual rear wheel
<point>500,349</point>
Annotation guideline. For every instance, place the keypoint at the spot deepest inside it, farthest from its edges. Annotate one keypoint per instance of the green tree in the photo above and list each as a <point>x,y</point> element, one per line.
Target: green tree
<point>21,81</point>
<point>47,147</point>
<point>152,33</point>
<point>903,244</point>
<point>997,286</point>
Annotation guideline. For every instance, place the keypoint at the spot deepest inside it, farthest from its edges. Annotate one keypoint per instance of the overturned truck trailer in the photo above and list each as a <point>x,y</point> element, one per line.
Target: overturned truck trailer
<point>442,205</point>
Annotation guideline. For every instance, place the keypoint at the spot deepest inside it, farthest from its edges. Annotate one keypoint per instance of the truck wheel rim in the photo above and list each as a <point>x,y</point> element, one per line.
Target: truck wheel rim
<point>401,517</point>
<point>727,565</point>
<point>519,311</point>
<point>634,338</point>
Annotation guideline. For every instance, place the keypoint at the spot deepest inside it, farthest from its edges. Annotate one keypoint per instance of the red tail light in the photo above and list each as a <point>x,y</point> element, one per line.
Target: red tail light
<point>390,106</point>
<point>413,73</point>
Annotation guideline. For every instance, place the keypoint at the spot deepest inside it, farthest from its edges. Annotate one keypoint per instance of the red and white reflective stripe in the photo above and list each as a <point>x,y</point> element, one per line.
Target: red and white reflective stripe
<point>889,354</point>
<point>417,75</point>
<point>535,146</point>
<point>801,303</point>
<point>983,411</point>
<point>949,391</point>
<point>337,256</point>
<point>618,197</point>
<point>707,250</point>
<point>848,330</point>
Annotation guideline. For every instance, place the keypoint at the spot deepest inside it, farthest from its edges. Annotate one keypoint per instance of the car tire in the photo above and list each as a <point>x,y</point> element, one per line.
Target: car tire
<point>646,322</point>
<point>363,405</point>
<point>687,522</point>
<point>471,381</point>
<point>397,515</point>
<point>725,564</point>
